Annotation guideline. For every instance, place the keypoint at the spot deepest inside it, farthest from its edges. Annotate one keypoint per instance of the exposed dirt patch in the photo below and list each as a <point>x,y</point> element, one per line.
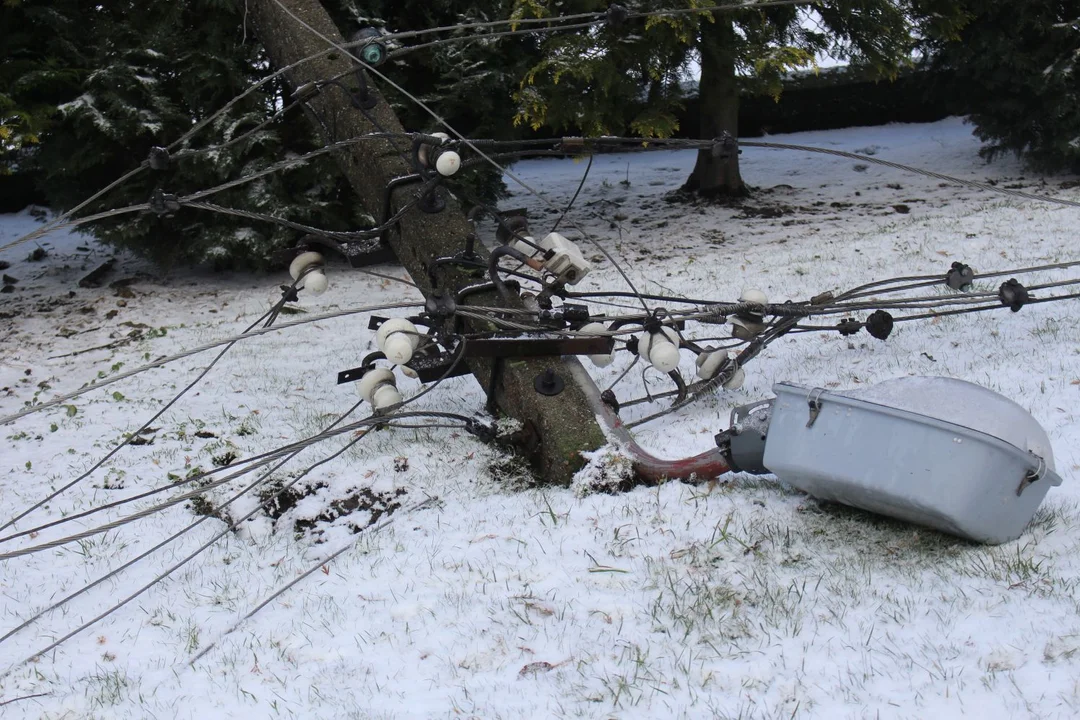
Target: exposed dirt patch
<point>363,507</point>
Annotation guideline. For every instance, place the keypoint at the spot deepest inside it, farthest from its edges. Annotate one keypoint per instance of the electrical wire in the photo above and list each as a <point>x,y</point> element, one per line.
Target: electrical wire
<point>255,462</point>
<point>162,576</point>
<point>178,565</point>
<point>160,362</point>
<point>148,423</point>
<point>215,512</point>
<point>569,205</point>
<point>364,532</point>
<point>907,168</point>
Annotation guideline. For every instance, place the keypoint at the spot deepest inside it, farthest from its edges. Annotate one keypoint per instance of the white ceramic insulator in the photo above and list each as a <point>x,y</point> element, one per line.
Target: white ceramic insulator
<point>398,348</point>
<point>315,282</point>
<point>409,372</point>
<point>709,363</point>
<point>397,327</point>
<point>601,360</point>
<point>385,396</point>
<point>755,296</point>
<point>736,380</point>
<point>595,328</point>
<point>372,380</point>
<point>648,343</point>
<point>423,154</point>
<point>448,163</point>
<point>664,356</point>
<point>302,261</point>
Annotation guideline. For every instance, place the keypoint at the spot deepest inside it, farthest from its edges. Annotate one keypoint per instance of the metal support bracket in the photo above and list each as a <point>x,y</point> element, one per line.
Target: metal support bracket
<point>539,347</point>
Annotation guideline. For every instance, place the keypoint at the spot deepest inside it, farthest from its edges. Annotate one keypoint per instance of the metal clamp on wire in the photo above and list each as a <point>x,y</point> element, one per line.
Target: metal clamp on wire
<point>849,326</point>
<point>1013,295</point>
<point>164,204</point>
<point>960,276</point>
<point>617,15</point>
<point>440,304</point>
<point>158,159</point>
<point>725,146</point>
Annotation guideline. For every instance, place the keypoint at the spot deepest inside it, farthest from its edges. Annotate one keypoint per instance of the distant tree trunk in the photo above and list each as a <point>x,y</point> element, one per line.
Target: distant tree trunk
<point>719,97</point>
<point>556,429</point>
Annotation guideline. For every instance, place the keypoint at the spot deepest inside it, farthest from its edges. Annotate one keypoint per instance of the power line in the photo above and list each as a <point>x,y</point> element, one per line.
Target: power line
<point>326,433</point>
<point>367,531</point>
<point>202,518</point>
<point>908,168</point>
<point>255,462</point>
<point>160,362</point>
<point>132,436</point>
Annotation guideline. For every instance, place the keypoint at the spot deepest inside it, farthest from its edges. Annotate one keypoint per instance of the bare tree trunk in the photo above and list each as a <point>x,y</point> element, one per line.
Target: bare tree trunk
<point>718,94</point>
<point>557,429</point>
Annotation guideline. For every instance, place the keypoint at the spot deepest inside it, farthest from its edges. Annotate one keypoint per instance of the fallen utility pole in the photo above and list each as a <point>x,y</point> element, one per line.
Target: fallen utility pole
<point>557,428</point>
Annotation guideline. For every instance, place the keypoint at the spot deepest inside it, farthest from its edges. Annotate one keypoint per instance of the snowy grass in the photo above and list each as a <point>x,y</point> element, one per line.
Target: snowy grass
<point>735,599</point>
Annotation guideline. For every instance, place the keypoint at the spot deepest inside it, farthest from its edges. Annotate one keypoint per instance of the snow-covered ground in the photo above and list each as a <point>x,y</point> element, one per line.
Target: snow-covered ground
<point>741,598</point>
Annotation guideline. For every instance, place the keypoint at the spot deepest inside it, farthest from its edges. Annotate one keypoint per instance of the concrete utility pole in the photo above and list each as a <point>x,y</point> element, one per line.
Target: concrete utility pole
<point>557,428</point>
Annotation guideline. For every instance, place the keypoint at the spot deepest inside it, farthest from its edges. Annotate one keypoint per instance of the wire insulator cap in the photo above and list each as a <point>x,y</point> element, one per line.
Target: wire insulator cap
<point>595,328</point>
<point>660,348</point>
<point>158,159</point>
<point>373,54</point>
<point>736,381</point>
<point>385,396</point>
<point>424,152</point>
<point>1013,295</point>
<point>960,276</point>
<point>306,270</point>
<point>397,338</point>
<point>448,163</point>
<point>745,327</point>
<point>373,380</point>
<point>754,296</point>
<point>880,324</point>
<point>315,282</point>
<point>664,356</point>
<point>617,15</point>
<point>710,362</point>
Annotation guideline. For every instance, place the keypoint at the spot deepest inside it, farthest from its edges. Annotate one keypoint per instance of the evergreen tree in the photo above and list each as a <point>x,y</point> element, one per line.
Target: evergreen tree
<point>632,78</point>
<point>136,75</point>
<point>469,82</point>
<point>40,66</point>
<point>1014,67</point>
<point>157,69</point>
